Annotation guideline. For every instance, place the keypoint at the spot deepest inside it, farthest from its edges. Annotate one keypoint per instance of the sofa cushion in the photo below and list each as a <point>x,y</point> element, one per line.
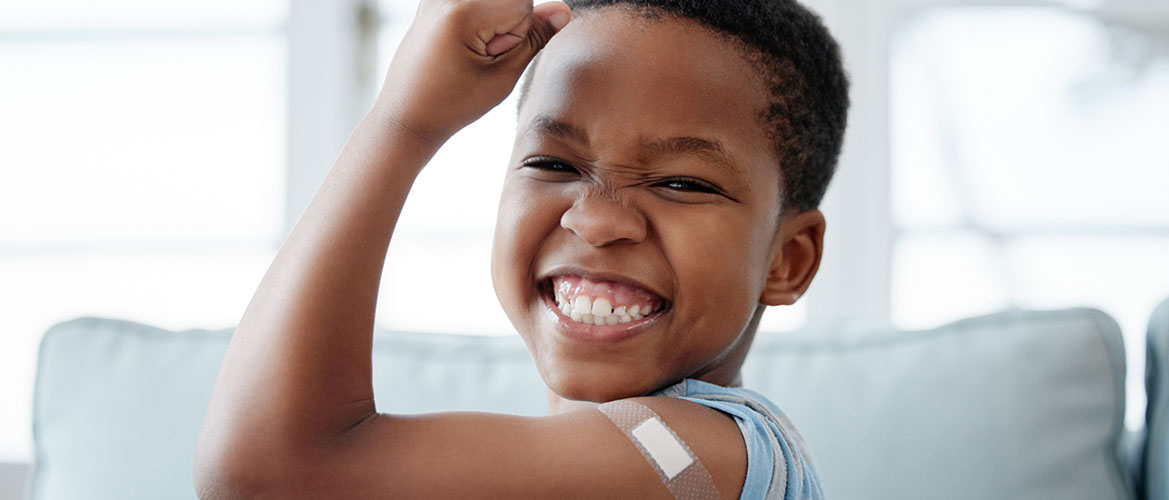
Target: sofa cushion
<point>1156,460</point>
<point>118,405</point>
<point>1014,405</point>
<point>1018,405</point>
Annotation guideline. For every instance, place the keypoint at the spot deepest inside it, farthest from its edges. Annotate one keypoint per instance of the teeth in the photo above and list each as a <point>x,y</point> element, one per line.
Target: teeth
<point>581,305</point>
<point>602,307</point>
<point>599,311</point>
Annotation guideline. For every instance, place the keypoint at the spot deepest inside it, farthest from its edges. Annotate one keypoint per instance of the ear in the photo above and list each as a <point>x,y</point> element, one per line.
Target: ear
<point>799,245</point>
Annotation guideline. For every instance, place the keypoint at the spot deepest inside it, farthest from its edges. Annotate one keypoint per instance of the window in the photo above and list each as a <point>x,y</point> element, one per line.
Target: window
<point>141,169</point>
<point>1028,168</point>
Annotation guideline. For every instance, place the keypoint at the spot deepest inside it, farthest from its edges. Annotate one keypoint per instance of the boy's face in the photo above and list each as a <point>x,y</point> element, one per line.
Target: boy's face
<point>641,177</point>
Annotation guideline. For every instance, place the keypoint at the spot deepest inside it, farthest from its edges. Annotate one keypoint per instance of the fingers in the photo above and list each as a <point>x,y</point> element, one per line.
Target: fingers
<point>503,43</point>
<point>545,20</point>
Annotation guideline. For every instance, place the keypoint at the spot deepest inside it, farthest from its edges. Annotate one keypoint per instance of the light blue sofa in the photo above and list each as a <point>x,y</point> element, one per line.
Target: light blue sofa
<point>1019,405</point>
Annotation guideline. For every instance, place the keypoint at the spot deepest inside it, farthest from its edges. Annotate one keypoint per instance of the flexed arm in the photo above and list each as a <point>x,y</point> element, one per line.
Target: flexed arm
<point>297,374</point>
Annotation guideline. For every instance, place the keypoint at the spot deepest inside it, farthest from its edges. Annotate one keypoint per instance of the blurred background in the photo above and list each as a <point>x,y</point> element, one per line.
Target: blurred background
<point>153,155</point>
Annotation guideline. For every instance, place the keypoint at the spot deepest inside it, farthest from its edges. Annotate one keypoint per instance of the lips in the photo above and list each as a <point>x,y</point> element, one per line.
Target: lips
<point>601,301</point>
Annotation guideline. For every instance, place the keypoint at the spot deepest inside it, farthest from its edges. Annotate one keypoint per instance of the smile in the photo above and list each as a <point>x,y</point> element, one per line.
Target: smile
<point>601,302</point>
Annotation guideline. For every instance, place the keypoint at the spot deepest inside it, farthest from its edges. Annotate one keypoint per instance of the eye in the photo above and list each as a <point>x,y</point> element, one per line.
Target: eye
<point>551,165</point>
<point>689,185</point>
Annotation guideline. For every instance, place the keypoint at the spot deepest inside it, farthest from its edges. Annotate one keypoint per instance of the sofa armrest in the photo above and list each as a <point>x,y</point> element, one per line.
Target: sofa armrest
<point>1155,469</point>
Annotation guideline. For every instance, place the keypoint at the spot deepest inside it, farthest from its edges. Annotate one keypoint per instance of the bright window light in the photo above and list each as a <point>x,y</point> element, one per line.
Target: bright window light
<point>141,170</point>
<point>1029,169</point>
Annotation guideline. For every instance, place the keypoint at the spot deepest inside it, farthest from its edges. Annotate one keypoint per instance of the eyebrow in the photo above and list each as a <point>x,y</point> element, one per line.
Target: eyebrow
<point>710,150</point>
<point>544,125</point>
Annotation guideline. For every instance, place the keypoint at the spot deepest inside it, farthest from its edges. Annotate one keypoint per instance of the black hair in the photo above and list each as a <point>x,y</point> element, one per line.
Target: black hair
<point>800,63</point>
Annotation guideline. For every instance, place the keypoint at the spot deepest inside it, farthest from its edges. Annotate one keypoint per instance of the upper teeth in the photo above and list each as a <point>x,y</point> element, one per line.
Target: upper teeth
<point>599,311</point>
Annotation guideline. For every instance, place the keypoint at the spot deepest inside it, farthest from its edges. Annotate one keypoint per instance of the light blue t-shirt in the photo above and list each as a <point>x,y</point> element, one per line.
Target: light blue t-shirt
<point>779,466</point>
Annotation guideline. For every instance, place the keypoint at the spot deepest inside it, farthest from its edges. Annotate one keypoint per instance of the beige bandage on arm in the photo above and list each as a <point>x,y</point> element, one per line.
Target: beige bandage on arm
<point>680,470</point>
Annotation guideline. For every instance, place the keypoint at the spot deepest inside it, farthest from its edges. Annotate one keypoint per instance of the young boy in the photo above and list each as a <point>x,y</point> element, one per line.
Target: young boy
<point>669,159</point>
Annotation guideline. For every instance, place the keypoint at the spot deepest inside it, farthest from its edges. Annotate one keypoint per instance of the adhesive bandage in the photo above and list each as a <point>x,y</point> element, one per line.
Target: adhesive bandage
<point>680,470</point>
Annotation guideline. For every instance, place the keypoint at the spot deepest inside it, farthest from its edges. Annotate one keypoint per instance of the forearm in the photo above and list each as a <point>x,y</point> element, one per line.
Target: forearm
<point>297,372</point>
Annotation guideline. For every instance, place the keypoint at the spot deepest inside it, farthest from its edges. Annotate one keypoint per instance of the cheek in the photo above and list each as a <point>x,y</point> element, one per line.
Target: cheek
<point>526,218</point>
<point>503,250</point>
<point>720,261</point>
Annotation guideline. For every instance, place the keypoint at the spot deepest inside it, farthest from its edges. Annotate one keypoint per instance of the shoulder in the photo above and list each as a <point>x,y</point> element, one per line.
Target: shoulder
<point>780,464</point>
<point>712,436</point>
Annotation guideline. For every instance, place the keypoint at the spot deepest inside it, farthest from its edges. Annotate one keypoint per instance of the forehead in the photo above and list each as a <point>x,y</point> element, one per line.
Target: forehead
<point>616,74</point>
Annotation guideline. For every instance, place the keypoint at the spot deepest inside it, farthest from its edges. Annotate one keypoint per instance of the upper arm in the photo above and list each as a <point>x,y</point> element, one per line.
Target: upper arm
<point>580,454</point>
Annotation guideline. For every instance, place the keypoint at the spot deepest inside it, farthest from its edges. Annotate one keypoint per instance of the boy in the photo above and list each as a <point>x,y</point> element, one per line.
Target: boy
<point>662,192</point>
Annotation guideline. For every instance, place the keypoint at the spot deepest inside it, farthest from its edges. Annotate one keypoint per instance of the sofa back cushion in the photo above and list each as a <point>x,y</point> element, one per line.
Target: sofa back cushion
<point>118,405</point>
<point>1017,405</point>
<point>1009,406</point>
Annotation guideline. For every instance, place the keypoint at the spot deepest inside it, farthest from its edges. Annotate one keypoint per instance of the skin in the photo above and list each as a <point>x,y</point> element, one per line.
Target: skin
<point>292,414</point>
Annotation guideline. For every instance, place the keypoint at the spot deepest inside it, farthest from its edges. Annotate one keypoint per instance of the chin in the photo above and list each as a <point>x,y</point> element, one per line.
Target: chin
<point>596,383</point>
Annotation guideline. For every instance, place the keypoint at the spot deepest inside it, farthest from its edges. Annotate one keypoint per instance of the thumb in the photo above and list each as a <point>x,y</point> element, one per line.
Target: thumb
<point>547,20</point>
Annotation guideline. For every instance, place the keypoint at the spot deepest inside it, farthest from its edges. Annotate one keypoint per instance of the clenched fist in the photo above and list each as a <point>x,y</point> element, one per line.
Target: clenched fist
<point>460,58</point>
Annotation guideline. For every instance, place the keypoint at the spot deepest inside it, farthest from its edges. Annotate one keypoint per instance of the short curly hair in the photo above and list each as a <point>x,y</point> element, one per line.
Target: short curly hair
<point>799,61</point>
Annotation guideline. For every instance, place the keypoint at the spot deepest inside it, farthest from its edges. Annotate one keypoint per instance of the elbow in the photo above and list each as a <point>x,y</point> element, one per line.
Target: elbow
<point>220,476</point>
<point>231,474</point>
<point>236,456</point>
<point>234,463</point>
<point>227,471</point>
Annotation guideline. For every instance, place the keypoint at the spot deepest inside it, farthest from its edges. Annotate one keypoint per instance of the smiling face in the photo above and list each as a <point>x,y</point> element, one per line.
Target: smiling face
<point>640,227</point>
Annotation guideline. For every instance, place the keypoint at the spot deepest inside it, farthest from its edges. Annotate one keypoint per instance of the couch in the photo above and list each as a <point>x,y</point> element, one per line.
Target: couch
<point>1015,405</point>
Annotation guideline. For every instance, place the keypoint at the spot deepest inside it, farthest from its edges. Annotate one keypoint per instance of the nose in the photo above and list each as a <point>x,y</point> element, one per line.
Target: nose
<point>602,219</point>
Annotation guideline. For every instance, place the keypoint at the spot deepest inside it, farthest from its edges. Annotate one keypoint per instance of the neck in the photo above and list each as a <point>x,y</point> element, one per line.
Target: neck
<point>557,404</point>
